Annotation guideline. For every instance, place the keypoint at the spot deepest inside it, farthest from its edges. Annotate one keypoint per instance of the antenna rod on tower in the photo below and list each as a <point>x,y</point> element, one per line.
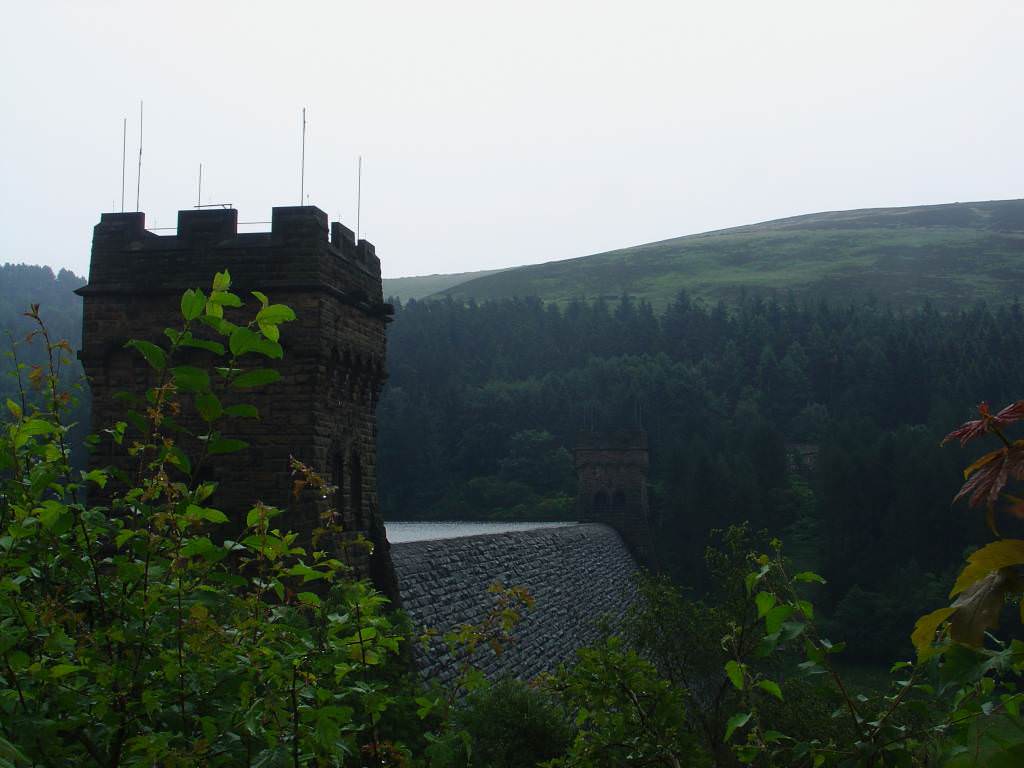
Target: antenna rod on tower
<point>359,196</point>
<point>124,156</point>
<point>302,175</point>
<point>138,178</point>
<point>199,196</point>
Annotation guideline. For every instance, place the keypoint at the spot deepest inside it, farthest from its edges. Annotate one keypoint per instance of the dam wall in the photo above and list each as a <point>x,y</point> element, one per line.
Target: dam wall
<point>577,575</point>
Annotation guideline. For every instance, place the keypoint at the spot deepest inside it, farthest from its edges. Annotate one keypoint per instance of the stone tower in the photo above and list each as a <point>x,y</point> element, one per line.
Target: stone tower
<point>611,469</point>
<point>322,410</point>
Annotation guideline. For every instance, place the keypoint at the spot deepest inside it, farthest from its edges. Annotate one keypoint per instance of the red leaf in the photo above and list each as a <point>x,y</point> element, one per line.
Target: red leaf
<point>987,423</point>
<point>989,475</point>
<point>971,429</point>
<point>1009,414</point>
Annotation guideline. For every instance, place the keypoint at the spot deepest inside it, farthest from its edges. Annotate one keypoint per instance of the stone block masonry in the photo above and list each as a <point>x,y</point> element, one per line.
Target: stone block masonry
<point>577,574</point>
<point>322,409</point>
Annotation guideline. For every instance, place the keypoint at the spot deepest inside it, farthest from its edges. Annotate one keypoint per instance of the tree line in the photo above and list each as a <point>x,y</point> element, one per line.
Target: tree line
<point>819,423</point>
<point>816,422</point>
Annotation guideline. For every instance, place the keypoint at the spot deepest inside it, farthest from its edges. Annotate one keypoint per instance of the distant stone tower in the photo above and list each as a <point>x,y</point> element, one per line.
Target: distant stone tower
<point>322,410</point>
<point>611,469</point>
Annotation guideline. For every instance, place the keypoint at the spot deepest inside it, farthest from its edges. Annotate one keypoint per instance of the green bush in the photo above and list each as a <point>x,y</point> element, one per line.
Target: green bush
<point>512,725</point>
<point>131,632</point>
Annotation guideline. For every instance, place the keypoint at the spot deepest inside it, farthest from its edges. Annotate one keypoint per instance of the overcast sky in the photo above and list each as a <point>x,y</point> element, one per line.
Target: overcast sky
<point>497,134</point>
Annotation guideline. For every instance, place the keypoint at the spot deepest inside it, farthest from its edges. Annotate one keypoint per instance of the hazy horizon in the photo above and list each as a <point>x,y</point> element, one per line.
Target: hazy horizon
<point>503,135</point>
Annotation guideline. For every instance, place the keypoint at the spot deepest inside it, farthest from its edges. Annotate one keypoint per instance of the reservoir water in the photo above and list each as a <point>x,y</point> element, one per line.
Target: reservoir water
<point>400,532</point>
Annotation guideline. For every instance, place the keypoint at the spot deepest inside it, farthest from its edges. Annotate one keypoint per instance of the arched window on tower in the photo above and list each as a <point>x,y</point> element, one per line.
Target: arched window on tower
<point>619,502</point>
<point>356,490</point>
<point>601,503</point>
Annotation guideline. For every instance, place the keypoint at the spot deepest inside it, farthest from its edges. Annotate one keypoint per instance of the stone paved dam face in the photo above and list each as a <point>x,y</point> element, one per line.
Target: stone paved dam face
<point>577,574</point>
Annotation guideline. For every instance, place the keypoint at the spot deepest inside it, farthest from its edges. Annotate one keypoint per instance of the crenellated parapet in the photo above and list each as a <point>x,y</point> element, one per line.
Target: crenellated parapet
<point>299,251</point>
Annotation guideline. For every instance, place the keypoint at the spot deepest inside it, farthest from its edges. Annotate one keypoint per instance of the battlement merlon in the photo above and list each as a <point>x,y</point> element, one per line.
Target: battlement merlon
<point>126,254</point>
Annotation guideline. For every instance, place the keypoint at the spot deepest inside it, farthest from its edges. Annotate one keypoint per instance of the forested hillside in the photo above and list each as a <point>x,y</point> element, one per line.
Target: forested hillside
<point>950,254</point>
<point>484,402</point>
<point>20,286</point>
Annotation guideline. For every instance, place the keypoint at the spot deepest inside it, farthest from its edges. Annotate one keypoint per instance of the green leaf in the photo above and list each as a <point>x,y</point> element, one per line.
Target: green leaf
<point>771,687</point>
<point>749,581</point>
<point>256,378</point>
<point>736,721</point>
<point>50,515</point>
<point>209,406</point>
<point>308,574</point>
<point>11,756</point>
<point>204,491</point>
<point>188,340</point>
<point>191,379</point>
<point>218,323</point>
<point>214,515</point>
<point>271,331</point>
<point>806,608</point>
<point>274,314</point>
<point>814,653</point>
<point>734,671</point>
<point>226,445</point>
<point>242,411</point>
<point>791,630</point>
<point>924,631</point>
<point>201,546</point>
<point>809,576</point>
<point>244,341</point>
<point>992,557</point>
<point>774,618</point>
<point>222,281</point>
<point>18,660</point>
<point>14,408</point>
<point>270,348</point>
<point>32,428</point>
<point>151,352</point>
<point>765,601</point>
<point>206,513</point>
<point>178,458</point>
<point>63,670</point>
<point>308,598</point>
<point>262,297</point>
<point>192,304</point>
<point>97,476</point>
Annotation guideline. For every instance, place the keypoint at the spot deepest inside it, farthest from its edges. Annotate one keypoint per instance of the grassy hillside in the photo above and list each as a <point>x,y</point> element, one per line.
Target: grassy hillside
<point>406,288</point>
<point>949,254</point>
